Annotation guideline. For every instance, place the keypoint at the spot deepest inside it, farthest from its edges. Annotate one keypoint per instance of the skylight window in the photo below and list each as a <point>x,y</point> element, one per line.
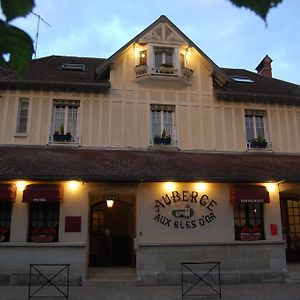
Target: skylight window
<point>242,79</point>
<point>73,67</point>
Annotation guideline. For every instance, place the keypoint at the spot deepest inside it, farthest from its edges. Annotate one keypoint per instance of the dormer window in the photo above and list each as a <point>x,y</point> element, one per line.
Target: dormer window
<point>155,61</point>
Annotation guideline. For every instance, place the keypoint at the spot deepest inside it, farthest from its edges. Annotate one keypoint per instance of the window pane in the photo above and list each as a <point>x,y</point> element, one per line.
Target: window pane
<point>248,220</point>
<point>72,120</point>
<point>143,57</point>
<point>182,63</point>
<point>5,217</point>
<point>167,119</point>
<point>23,116</point>
<point>169,58</point>
<point>43,222</point>
<point>249,127</point>
<point>59,118</point>
<point>158,59</point>
<point>156,123</point>
<point>259,123</point>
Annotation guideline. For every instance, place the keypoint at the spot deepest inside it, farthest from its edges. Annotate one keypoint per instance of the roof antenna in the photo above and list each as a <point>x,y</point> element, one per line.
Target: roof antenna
<point>37,31</point>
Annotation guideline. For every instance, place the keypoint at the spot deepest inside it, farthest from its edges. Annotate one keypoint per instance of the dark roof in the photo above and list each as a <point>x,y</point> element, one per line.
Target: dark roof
<point>49,163</point>
<point>262,89</point>
<point>47,73</point>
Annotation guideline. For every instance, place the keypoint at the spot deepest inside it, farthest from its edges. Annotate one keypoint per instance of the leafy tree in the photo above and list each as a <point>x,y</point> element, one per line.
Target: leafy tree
<point>17,46</point>
<point>260,7</point>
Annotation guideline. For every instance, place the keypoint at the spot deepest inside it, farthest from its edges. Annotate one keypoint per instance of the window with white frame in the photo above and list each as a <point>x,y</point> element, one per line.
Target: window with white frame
<point>256,129</point>
<point>22,115</point>
<point>64,121</point>
<point>162,124</point>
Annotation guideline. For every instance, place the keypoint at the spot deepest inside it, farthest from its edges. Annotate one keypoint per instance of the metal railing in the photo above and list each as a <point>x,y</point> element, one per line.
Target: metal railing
<point>200,279</point>
<point>48,281</point>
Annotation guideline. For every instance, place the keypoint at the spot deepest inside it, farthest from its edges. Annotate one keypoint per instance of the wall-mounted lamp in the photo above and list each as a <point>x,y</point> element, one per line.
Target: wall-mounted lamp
<point>21,185</point>
<point>73,185</point>
<point>201,186</point>
<point>170,186</point>
<point>110,203</point>
<point>271,187</point>
<point>110,200</point>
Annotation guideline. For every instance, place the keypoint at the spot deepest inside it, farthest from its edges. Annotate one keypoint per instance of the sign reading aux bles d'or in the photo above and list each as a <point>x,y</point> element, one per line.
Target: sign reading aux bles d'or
<point>184,217</point>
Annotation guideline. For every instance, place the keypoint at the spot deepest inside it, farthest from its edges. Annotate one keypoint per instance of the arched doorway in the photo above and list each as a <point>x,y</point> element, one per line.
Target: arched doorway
<point>111,234</point>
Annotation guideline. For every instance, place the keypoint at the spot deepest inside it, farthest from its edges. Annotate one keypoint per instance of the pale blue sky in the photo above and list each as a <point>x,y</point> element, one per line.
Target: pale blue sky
<point>231,37</point>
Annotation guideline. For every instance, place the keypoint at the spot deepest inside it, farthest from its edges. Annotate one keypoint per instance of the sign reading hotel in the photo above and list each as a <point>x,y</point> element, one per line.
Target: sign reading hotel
<point>177,210</point>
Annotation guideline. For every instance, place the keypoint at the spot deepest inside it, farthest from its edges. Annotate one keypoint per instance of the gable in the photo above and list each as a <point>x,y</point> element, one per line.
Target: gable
<point>163,33</point>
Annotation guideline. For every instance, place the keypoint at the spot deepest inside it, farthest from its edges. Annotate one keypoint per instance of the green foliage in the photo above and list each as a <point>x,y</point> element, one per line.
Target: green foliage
<point>16,8</point>
<point>260,7</point>
<point>14,42</point>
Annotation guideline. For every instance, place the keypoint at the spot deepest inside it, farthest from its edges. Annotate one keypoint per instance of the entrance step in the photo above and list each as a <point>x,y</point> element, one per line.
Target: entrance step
<point>111,277</point>
<point>293,275</point>
<point>292,278</point>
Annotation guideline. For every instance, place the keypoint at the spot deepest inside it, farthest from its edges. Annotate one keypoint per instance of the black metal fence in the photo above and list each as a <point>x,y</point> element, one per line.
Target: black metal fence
<point>200,279</point>
<point>48,281</point>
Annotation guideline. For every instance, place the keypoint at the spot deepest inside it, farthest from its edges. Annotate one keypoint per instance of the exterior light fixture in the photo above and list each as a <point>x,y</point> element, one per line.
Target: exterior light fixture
<point>170,186</point>
<point>73,185</point>
<point>21,185</point>
<point>201,186</point>
<point>271,187</point>
<point>110,203</point>
<point>110,200</point>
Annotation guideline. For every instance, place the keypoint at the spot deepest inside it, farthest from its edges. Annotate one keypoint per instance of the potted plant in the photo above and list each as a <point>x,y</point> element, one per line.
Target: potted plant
<point>61,137</point>
<point>166,68</point>
<point>250,232</point>
<point>43,234</point>
<point>187,73</point>
<point>163,139</point>
<point>258,142</point>
<point>140,69</point>
<point>3,232</point>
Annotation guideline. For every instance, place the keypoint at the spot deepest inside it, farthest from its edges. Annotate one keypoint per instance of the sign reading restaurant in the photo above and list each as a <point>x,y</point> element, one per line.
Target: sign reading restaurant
<point>184,218</point>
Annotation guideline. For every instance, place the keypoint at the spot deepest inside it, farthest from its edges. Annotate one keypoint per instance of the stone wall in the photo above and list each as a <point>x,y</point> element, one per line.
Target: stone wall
<point>241,262</point>
<point>16,258</point>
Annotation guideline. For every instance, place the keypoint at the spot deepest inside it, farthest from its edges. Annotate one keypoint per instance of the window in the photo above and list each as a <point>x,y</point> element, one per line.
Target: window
<point>143,57</point>
<point>256,132</point>
<point>162,124</point>
<point>65,121</point>
<point>22,115</point>
<point>43,222</point>
<point>5,217</point>
<point>182,61</point>
<point>73,67</point>
<point>248,221</point>
<point>164,56</point>
<point>244,79</point>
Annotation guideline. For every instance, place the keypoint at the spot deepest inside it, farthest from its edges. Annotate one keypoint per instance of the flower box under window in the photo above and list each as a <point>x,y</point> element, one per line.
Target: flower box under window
<point>62,137</point>
<point>162,140</point>
<point>258,144</point>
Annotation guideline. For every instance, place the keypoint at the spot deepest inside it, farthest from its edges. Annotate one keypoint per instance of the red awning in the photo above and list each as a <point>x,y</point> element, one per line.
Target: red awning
<point>43,193</point>
<point>7,192</point>
<point>249,194</point>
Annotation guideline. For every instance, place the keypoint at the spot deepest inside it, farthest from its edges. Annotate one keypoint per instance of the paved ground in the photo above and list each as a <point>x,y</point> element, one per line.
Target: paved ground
<point>229,292</point>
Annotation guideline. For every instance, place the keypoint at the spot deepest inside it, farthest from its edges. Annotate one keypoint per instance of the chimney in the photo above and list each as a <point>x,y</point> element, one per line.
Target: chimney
<point>264,68</point>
